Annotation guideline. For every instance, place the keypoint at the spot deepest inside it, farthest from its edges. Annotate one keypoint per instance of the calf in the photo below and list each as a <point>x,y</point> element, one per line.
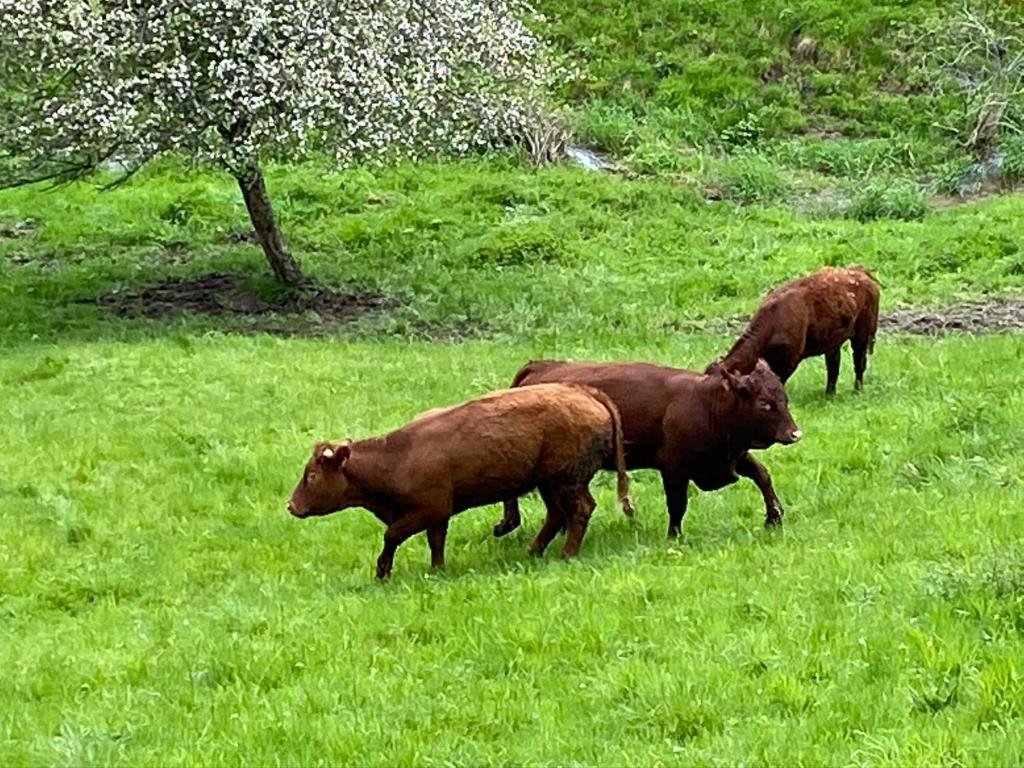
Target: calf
<point>811,316</point>
<point>687,425</point>
<point>553,438</point>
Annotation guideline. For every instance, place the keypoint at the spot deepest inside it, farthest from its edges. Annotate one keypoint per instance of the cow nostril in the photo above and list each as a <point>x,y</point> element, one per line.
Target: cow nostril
<point>797,434</point>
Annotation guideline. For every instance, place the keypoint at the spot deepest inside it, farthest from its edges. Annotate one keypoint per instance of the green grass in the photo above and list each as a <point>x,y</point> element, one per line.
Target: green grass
<point>727,70</point>
<point>158,606</point>
<point>814,85</point>
<point>488,246</point>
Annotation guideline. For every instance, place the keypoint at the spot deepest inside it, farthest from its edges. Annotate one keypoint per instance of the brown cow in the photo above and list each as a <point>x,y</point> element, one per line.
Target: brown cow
<point>811,316</point>
<point>687,425</point>
<point>507,443</point>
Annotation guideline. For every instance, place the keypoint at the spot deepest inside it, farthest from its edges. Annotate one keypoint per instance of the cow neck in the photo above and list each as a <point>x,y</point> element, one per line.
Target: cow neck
<point>370,476</point>
<point>744,353</point>
<point>723,402</point>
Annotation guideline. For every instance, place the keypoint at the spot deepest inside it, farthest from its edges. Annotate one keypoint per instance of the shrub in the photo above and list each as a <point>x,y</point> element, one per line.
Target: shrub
<point>898,200</point>
<point>747,179</point>
<point>521,243</point>
<point>1012,151</point>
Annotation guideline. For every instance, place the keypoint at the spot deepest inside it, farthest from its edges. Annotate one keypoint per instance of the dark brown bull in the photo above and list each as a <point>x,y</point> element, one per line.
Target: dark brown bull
<point>553,438</point>
<point>687,425</point>
<point>813,315</point>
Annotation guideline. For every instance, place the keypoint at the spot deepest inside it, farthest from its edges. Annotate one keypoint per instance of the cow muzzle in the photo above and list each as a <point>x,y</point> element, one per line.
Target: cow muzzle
<point>788,436</point>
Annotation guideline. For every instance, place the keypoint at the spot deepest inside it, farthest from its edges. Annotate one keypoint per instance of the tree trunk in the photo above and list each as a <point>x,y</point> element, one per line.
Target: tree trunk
<point>254,191</point>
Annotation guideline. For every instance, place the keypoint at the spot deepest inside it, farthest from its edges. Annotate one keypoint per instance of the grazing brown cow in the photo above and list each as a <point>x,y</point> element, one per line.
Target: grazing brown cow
<point>507,443</point>
<point>690,426</point>
<point>811,316</point>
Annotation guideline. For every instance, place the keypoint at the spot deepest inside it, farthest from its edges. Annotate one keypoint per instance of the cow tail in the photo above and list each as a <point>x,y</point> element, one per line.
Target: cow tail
<point>522,374</point>
<point>870,327</point>
<point>869,273</point>
<point>867,323</point>
<point>873,320</point>
<point>622,485</point>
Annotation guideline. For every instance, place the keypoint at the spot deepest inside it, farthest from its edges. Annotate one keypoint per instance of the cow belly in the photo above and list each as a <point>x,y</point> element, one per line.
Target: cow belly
<point>637,455</point>
<point>489,493</point>
<point>505,474</point>
<point>714,476</point>
<point>830,331</point>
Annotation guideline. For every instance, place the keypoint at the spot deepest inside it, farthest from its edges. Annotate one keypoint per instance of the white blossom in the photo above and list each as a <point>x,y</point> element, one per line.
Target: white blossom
<point>229,81</point>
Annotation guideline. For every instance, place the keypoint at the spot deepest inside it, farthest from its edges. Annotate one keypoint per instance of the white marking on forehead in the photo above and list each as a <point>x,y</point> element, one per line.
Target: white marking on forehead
<point>328,453</point>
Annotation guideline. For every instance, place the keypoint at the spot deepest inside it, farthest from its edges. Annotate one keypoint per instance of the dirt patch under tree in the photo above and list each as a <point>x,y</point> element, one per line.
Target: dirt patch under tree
<point>307,311</point>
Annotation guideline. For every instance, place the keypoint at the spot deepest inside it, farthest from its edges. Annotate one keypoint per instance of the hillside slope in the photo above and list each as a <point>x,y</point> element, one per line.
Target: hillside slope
<point>744,69</point>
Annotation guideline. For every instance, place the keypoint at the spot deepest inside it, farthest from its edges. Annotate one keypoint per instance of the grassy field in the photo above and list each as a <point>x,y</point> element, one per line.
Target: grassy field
<point>734,72</point>
<point>158,606</point>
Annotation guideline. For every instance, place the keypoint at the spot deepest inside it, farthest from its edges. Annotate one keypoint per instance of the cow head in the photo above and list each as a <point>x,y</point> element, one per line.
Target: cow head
<point>762,405</point>
<point>324,487</point>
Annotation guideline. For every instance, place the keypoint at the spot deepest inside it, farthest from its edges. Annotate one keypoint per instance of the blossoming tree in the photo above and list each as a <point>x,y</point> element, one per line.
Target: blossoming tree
<point>234,82</point>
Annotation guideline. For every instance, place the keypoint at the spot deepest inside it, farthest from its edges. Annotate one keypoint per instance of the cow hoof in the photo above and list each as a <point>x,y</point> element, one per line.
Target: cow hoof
<point>773,522</point>
<point>504,528</point>
<point>673,533</point>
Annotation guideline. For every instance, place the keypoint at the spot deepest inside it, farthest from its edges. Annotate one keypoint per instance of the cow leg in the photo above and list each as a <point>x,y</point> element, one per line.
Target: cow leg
<point>748,466</point>
<point>396,533</point>
<point>832,370</point>
<point>436,535</point>
<point>511,518</point>
<point>580,505</point>
<point>554,521</point>
<point>675,496</point>
<point>860,362</point>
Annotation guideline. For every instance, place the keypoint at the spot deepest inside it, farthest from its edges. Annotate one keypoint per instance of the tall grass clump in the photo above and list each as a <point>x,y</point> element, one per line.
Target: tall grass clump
<point>903,200</point>
<point>746,179</point>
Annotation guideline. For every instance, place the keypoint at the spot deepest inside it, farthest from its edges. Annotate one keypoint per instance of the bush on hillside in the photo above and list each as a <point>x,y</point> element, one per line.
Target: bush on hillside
<point>746,179</point>
<point>1012,153</point>
<point>520,243</point>
<point>902,200</point>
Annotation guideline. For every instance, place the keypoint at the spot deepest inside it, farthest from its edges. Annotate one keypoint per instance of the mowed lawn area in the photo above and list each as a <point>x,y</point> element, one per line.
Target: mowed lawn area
<point>159,606</point>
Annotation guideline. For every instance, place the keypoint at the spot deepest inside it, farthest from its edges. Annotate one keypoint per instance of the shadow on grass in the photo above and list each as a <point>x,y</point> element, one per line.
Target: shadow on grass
<point>473,551</point>
<point>60,300</point>
<point>308,310</point>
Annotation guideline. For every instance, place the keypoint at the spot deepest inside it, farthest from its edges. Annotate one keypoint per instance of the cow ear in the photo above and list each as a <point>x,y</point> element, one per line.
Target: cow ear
<point>733,381</point>
<point>333,455</point>
<point>762,366</point>
<point>738,383</point>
